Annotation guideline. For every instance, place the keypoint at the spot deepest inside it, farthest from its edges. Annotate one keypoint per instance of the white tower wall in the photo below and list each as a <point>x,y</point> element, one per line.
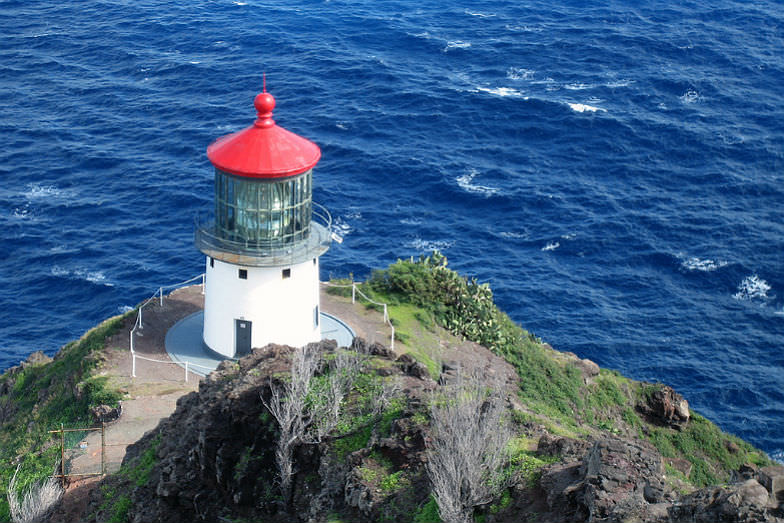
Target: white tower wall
<point>281,309</point>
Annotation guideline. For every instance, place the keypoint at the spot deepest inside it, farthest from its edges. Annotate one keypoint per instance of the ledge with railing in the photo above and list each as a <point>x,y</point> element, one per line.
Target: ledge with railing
<point>269,252</point>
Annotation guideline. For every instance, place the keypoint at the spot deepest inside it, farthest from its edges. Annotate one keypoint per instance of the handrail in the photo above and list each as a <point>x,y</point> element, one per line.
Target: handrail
<point>158,295</point>
<point>354,291</point>
<point>139,323</point>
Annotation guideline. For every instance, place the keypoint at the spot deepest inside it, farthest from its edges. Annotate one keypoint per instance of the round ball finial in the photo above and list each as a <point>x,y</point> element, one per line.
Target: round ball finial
<point>264,103</point>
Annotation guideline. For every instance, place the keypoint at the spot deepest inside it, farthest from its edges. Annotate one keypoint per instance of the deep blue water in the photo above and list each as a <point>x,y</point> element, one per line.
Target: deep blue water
<point>614,172</point>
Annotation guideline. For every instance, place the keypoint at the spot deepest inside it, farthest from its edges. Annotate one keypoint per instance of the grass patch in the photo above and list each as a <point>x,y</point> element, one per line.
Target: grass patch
<point>46,395</point>
<point>428,513</point>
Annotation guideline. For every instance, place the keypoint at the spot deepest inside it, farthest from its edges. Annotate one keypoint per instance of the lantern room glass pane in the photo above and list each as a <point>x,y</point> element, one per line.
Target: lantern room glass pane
<point>262,214</point>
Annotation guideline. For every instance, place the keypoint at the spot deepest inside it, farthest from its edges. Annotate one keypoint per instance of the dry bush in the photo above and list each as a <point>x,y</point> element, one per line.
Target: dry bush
<point>467,448</point>
<point>304,417</point>
<point>35,503</point>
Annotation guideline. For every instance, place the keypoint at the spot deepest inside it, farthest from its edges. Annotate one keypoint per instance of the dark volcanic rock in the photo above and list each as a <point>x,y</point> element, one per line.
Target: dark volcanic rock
<point>105,413</point>
<point>740,503</point>
<point>666,407</point>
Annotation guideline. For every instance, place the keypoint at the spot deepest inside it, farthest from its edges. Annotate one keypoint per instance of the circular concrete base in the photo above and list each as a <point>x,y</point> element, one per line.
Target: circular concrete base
<point>184,341</point>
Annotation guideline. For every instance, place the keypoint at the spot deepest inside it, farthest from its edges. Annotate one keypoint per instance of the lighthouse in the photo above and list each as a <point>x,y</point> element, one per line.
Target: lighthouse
<point>263,243</point>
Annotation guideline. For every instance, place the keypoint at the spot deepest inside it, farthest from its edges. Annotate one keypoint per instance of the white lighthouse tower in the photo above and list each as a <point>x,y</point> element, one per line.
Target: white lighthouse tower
<point>263,246</point>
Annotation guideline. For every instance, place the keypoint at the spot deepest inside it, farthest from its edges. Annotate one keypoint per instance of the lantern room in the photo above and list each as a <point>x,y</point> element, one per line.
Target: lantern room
<point>264,240</point>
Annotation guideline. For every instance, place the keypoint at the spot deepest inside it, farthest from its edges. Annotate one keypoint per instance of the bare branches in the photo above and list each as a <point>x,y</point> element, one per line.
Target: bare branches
<point>306,411</point>
<point>467,447</point>
<point>287,405</point>
<point>36,502</point>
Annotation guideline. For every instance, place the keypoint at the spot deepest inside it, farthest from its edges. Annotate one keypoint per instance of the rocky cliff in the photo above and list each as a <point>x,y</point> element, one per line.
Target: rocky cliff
<point>213,460</point>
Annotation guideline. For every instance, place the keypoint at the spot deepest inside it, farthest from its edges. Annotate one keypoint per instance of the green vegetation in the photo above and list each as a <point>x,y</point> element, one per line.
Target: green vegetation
<point>425,292</point>
<point>42,397</point>
<point>707,448</point>
<point>428,513</point>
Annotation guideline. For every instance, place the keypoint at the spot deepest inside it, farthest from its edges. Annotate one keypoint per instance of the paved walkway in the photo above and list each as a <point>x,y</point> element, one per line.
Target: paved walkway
<point>185,347</point>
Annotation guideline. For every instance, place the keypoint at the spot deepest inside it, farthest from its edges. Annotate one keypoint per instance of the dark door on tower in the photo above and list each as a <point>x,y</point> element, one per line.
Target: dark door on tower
<point>242,338</point>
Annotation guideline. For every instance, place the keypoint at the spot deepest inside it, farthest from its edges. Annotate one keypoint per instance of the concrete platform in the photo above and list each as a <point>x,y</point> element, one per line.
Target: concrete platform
<point>184,341</point>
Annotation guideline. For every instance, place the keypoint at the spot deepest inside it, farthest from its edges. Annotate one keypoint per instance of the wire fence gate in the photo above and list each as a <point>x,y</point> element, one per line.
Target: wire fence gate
<point>85,452</point>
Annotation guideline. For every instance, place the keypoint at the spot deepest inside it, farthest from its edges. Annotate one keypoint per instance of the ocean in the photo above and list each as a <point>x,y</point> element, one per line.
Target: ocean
<point>616,173</point>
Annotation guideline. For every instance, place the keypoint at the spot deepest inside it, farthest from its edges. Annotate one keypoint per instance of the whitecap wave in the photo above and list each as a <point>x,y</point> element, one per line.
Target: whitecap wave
<point>697,264</point>
<point>513,235</point>
<point>520,73</point>
<point>615,84</point>
<point>122,309</point>
<point>411,221</point>
<point>752,288</point>
<point>340,229</point>
<point>420,245</point>
<point>502,91</point>
<point>480,15</point>
<point>583,108</point>
<point>342,126</point>
<point>466,182</point>
<point>22,213</point>
<point>240,3</point>
<point>523,28</point>
<point>569,236</point>
<point>689,97</point>
<point>577,87</point>
<point>456,44</point>
<point>96,277</point>
<point>551,246</point>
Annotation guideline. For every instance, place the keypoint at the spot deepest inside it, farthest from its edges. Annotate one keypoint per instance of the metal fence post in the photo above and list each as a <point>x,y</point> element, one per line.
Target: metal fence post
<point>62,453</point>
<point>353,293</point>
<point>103,448</point>
<point>133,365</point>
<point>139,318</point>
<point>386,316</point>
<point>160,292</point>
<point>392,341</point>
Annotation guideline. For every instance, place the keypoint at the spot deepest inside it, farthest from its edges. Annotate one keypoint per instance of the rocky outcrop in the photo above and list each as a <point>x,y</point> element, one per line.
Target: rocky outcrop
<point>619,480</point>
<point>666,407</point>
<point>213,460</point>
<point>745,502</point>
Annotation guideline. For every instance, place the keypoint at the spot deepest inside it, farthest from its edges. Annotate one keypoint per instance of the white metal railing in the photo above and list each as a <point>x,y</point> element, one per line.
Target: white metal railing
<point>139,323</point>
<point>158,295</point>
<point>354,291</point>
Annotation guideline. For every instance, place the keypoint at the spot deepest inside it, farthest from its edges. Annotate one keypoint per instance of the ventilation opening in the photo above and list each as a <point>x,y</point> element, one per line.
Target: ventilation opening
<point>243,274</point>
<point>212,261</point>
<point>316,316</point>
<point>286,273</point>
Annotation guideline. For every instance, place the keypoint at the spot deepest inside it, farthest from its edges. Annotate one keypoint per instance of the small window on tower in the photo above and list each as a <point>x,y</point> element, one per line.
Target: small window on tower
<point>314,261</point>
<point>316,316</point>
<point>243,274</point>
<point>286,273</point>
<point>212,261</point>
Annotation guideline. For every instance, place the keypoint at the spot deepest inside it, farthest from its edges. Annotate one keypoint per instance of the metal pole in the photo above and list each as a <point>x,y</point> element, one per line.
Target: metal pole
<point>186,371</point>
<point>139,318</point>
<point>392,341</point>
<point>62,453</point>
<point>133,365</point>
<point>160,291</point>
<point>386,316</point>
<point>103,448</point>
<point>131,340</point>
<point>353,293</point>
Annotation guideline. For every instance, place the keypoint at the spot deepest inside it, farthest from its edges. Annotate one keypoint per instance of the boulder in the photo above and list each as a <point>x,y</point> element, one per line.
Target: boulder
<point>772,478</point>
<point>411,367</point>
<point>568,449</point>
<point>739,503</point>
<point>105,413</point>
<point>666,407</point>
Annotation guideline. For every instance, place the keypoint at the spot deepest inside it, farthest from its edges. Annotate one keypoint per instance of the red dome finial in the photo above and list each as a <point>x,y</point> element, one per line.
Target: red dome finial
<point>264,103</point>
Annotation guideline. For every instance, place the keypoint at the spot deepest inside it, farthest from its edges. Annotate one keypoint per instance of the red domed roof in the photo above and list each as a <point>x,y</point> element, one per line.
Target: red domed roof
<point>263,150</point>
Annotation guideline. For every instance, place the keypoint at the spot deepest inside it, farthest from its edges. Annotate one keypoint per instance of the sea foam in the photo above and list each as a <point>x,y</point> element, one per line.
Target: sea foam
<point>751,288</point>
<point>466,182</point>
